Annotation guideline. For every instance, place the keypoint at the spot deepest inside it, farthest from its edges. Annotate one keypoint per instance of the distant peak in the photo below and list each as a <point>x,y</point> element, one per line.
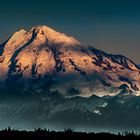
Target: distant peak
<point>53,36</point>
<point>42,27</point>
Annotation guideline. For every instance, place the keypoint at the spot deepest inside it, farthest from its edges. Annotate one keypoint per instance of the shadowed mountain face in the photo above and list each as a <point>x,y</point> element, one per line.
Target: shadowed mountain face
<point>51,78</point>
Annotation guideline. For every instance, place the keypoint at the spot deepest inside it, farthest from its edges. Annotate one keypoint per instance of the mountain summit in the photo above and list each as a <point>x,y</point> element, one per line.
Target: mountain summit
<point>43,60</point>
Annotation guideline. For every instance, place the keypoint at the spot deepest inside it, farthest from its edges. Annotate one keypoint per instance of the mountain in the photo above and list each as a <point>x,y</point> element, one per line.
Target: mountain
<point>45,60</point>
<point>49,79</point>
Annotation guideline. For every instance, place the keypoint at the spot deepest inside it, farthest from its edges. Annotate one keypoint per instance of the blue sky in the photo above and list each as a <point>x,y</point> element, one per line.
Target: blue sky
<point>111,25</point>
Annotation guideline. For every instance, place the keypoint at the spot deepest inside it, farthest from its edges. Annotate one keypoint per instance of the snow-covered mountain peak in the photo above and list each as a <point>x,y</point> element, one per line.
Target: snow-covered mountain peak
<point>43,59</point>
<point>54,37</point>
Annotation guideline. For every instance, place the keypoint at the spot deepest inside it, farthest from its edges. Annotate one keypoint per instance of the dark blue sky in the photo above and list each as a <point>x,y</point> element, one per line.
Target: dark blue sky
<point>111,25</point>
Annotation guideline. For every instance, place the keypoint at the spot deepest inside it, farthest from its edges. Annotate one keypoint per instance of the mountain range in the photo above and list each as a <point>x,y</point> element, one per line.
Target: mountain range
<point>67,82</point>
